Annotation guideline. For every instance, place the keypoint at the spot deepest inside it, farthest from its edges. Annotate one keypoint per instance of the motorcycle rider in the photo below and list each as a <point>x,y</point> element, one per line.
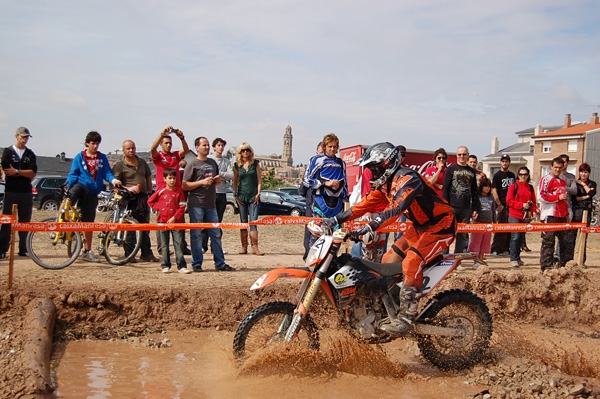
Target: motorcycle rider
<point>432,231</point>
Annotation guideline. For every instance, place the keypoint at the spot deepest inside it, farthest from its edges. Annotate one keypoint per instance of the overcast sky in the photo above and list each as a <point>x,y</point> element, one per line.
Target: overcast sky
<point>425,74</point>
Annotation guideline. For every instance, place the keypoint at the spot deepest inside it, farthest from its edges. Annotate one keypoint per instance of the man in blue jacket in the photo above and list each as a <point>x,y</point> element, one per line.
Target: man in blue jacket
<point>89,170</point>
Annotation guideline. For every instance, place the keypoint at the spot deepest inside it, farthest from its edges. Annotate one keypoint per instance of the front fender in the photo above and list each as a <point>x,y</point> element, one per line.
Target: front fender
<point>283,272</point>
<point>290,272</point>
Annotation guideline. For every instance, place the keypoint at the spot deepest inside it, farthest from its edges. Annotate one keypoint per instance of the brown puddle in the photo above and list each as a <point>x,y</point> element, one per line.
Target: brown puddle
<point>200,364</point>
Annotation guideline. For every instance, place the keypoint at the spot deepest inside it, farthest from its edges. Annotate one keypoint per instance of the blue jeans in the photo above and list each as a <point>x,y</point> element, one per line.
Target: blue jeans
<point>165,236</point>
<point>516,239</point>
<point>248,210</point>
<point>206,215</point>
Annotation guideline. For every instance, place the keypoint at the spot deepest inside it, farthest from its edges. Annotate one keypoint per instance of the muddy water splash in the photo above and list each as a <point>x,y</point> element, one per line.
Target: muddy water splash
<point>339,353</point>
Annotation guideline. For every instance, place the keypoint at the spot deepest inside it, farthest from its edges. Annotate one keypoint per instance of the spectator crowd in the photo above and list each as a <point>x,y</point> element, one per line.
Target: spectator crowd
<point>198,187</point>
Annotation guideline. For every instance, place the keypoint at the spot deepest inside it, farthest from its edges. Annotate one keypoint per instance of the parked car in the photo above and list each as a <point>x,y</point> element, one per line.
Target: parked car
<point>232,206</point>
<point>294,192</point>
<point>280,203</point>
<point>46,193</point>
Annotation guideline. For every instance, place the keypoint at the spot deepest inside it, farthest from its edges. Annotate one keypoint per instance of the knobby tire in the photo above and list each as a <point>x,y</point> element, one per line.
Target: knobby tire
<point>463,310</point>
<point>260,327</point>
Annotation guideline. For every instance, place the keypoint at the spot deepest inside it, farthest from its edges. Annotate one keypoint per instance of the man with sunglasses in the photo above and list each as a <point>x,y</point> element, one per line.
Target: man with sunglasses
<point>435,173</point>
<point>460,190</point>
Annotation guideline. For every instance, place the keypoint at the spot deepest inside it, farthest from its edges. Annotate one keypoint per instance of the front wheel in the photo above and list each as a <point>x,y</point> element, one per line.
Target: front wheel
<point>121,246</point>
<point>269,323</point>
<point>466,312</point>
<point>296,212</point>
<point>54,250</point>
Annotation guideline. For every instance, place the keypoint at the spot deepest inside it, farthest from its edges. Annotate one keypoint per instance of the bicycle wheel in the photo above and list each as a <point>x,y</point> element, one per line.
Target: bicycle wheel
<point>54,250</point>
<point>101,234</point>
<point>120,246</point>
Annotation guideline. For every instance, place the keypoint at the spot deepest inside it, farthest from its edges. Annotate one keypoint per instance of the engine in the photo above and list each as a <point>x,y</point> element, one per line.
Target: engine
<point>363,315</point>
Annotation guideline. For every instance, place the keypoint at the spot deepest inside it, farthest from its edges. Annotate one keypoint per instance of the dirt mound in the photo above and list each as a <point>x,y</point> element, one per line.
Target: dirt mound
<point>551,320</point>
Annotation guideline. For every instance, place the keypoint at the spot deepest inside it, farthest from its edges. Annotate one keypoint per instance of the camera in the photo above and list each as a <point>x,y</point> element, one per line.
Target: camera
<point>530,203</point>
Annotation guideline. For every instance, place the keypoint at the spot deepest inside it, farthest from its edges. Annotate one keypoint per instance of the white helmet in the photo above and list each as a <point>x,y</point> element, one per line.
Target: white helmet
<point>382,160</point>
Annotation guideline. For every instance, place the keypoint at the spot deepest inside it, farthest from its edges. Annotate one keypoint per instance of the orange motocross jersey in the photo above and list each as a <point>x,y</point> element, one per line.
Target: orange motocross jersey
<point>406,192</point>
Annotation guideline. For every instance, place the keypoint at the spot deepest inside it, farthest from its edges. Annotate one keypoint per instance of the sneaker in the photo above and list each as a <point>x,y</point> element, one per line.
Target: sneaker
<point>476,265</point>
<point>24,253</point>
<point>90,256</point>
<point>505,253</point>
<point>150,258</point>
<point>204,250</point>
<point>521,263</point>
<point>460,267</point>
<point>226,268</point>
<point>166,270</point>
<point>185,271</point>
<point>197,269</point>
<point>514,263</point>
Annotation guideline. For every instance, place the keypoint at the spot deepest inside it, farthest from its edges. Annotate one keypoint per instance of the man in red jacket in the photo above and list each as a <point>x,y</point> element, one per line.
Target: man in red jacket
<point>553,209</point>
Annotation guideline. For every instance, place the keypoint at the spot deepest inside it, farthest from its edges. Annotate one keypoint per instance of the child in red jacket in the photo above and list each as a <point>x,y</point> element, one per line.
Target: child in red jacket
<point>170,203</point>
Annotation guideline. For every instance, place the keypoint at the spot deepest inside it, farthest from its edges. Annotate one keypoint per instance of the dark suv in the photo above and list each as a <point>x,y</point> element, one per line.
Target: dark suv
<point>45,191</point>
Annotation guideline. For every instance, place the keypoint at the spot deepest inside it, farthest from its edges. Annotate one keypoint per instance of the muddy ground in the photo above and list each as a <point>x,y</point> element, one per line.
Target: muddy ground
<point>551,321</point>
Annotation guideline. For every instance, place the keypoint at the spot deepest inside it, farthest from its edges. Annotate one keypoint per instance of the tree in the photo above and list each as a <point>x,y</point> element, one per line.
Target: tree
<point>270,182</point>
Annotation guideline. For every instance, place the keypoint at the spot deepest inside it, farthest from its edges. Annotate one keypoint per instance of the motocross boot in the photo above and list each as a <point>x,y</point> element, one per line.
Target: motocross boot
<point>409,304</point>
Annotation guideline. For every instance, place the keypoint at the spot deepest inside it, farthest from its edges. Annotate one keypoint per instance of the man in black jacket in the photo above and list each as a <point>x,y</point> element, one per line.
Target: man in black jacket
<point>460,190</point>
<point>20,167</point>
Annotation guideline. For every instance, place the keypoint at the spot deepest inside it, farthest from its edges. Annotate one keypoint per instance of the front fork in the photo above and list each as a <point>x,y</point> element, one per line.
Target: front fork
<point>306,295</point>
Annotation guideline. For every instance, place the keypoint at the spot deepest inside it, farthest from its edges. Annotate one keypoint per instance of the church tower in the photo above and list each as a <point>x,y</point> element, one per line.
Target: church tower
<point>286,158</point>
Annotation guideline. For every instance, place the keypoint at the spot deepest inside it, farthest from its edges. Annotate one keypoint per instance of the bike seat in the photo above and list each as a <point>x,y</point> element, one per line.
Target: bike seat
<point>385,269</point>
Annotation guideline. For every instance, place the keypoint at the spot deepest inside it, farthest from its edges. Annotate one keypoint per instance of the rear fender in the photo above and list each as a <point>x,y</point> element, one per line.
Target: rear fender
<point>290,272</point>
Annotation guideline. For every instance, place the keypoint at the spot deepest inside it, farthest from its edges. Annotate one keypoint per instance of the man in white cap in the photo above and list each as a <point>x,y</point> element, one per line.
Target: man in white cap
<point>20,167</point>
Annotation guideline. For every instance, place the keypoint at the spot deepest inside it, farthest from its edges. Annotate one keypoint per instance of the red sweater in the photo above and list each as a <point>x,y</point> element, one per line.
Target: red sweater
<point>515,202</point>
<point>168,203</point>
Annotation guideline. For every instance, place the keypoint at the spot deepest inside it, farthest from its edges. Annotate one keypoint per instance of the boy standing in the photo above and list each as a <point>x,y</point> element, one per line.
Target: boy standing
<point>170,204</point>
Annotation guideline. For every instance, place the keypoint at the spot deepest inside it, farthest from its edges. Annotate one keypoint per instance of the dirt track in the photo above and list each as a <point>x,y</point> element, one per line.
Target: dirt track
<point>551,319</point>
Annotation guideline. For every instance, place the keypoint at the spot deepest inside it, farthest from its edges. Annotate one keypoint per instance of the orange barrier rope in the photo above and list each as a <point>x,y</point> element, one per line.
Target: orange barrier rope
<point>287,220</point>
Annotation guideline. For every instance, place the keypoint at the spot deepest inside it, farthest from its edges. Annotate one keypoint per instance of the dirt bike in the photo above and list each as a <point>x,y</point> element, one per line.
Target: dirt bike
<point>452,330</point>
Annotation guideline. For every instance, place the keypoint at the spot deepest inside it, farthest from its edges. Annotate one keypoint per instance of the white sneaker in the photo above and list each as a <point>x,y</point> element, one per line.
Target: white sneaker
<point>460,267</point>
<point>185,271</point>
<point>514,263</point>
<point>476,265</point>
<point>166,270</point>
<point>90,256</point>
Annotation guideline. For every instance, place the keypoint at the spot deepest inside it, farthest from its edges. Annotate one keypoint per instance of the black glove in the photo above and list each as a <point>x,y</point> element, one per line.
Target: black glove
<point>330,222</point>
<point>356,234</point>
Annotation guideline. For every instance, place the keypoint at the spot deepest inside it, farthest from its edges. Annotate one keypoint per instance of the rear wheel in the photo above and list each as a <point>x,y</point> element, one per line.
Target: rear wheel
<point>229,209</point>
<point>54,250</point>
<point>50,205</point>
<point>268,323</point>
<point>121,246</point>
<point>466,312</point>
<point>295,212</point>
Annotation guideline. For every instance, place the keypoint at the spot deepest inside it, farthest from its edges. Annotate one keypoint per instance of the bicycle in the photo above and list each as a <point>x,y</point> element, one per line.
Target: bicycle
<point>119,246</point>
<point>57,249</point>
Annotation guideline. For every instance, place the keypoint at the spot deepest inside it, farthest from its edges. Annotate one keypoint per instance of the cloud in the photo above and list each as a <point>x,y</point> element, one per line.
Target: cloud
<point>420,72</point>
